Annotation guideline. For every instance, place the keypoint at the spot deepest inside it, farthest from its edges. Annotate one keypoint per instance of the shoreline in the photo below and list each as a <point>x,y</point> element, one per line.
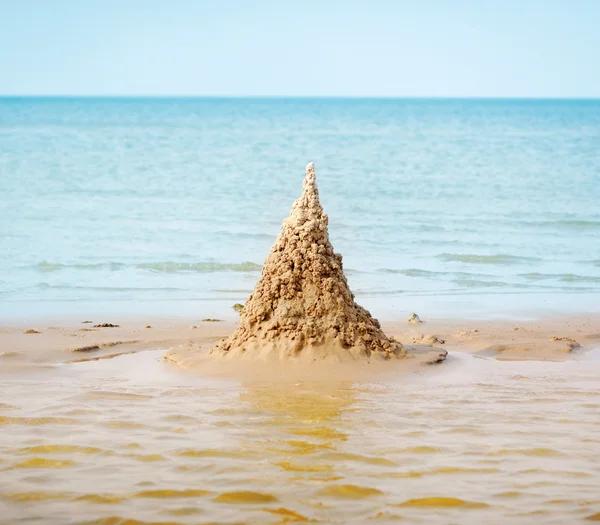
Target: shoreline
<point>387,308</point>
<point>564,337</point>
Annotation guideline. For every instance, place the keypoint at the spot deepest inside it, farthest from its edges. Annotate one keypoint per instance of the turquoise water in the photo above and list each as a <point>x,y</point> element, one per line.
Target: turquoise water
<point>170,206</point>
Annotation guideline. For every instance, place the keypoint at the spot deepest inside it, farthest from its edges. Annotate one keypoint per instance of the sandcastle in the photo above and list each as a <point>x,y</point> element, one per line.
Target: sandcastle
<point>302,306</point>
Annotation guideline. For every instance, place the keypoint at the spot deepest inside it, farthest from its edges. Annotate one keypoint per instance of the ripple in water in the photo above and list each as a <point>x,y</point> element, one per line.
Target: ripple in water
<point>438,446</point>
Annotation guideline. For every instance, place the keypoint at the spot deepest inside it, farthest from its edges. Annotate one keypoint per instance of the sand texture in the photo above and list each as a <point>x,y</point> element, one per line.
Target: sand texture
<point>302,307</point>
<point>188,344</point>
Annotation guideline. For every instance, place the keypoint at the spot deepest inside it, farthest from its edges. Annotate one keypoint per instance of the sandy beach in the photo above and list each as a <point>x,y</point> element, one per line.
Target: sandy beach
<point>561,338</point>
<point>504,429</point>
<point>187,345</point>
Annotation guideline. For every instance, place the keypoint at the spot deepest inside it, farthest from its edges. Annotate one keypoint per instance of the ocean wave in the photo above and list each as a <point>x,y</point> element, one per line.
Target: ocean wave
<point>523,290</point>
<point>200,267</point>
<point>245,235</point>
<point>237,291</point>
<point>576,224</point>
<point>499,259</point>
<point>428,274</point>
<point>563,277</point>
<point>46,266</point>
<point>474,289</point>
<point>568,224</point>
<point>48,286</point>
<point>412,272</point>
<point>474,283</point>
<point>163,267</point>
<point>375,293</point>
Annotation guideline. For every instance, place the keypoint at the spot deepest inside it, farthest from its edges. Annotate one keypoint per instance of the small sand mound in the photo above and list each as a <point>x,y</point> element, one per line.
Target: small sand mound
<point>558,349</point>
<point>413,318</point>
<point>428,340</point>
<point>302,306</point>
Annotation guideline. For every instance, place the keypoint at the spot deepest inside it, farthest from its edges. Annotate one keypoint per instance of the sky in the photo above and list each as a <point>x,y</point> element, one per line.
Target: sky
<point>372,48</point>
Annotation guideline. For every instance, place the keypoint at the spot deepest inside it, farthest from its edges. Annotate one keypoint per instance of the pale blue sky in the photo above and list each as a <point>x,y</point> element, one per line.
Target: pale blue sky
<point>452,48</point>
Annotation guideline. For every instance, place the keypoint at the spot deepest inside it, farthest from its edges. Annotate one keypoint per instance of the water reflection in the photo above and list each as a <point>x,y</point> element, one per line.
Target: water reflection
<point>303,423</point>
<point>131,440</point>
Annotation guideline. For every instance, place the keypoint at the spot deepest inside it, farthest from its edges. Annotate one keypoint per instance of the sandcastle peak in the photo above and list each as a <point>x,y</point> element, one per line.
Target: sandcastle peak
<point>309,184</point>
<point>307,206</point>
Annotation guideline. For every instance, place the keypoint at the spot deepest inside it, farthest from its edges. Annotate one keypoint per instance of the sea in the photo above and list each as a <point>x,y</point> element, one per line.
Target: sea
<point>169,206</point>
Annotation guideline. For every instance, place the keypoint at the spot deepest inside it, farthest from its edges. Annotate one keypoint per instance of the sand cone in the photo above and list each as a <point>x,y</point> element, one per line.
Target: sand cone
<point>302,306</point>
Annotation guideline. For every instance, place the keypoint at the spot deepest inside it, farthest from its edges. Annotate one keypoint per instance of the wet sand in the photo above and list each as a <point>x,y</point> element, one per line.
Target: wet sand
<point>558,338</point>
<point>505,430</point>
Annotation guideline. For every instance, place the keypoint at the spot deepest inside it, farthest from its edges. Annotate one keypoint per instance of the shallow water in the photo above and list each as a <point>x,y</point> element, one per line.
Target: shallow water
<point>173,204</point>
<point>469,441</point>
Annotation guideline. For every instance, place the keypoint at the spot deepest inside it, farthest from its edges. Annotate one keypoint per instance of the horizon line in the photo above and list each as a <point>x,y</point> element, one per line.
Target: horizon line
<point>288,97</point>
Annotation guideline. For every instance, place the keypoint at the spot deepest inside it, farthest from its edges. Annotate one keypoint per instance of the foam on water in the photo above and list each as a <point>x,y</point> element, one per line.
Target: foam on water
<point>171,200</point>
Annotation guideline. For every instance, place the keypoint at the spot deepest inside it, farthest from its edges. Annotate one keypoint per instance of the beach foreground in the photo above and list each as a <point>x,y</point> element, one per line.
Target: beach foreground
<point>505,429</point>
<point>564,338</point>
